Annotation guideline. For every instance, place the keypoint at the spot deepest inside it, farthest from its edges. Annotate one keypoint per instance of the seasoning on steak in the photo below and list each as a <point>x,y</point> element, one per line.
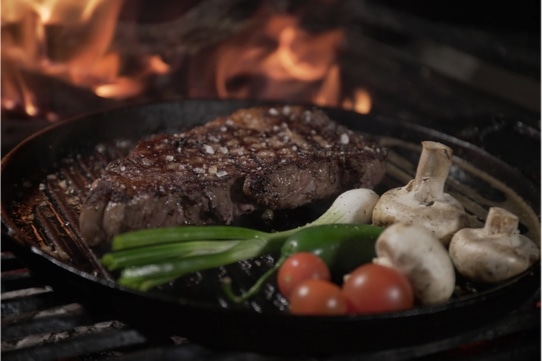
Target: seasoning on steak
<point>255,159</point>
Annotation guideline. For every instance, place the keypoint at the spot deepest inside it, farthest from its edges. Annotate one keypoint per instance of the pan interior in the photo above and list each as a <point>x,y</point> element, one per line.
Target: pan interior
<point>41,207</point>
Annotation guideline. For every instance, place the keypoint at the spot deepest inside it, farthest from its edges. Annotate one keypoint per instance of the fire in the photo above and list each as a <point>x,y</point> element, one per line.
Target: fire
<point>293,67</point>
<point>126,87</point>
<point>68,40</point>
<point>360,102</point>
<point>279,60</point>
<point>73,41</point>
<point>59,39</point>
<point>307,57</point>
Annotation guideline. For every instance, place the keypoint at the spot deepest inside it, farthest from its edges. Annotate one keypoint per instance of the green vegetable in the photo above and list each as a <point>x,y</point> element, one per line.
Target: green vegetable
<point>154,236</point>
<point>151,275</point>
<point>151,257</point>
<point>162,252</point>
<point>352,206</point>
<point>341,246</point>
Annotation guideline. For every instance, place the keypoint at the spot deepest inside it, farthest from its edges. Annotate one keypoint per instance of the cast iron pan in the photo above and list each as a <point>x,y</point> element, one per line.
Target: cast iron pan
<point>46,176</point>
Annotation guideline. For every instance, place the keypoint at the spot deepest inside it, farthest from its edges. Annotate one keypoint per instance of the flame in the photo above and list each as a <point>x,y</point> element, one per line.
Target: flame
<point>73,41</point>
<point>69,40</point>
<point>296,62</point>
<point>283,61</point>
<point>307,57</point>
<point>127,87</point>
<point>360,102</point>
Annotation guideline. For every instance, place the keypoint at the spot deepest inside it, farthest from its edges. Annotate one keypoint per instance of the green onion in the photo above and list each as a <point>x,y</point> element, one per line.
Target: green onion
<point>152,257</point>
<point>162,252</point>
<point>153,236</point>
<point>151,275</point>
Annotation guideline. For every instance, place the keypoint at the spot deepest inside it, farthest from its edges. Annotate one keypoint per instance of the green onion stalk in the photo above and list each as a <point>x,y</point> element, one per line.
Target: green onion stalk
<point>152,257</point>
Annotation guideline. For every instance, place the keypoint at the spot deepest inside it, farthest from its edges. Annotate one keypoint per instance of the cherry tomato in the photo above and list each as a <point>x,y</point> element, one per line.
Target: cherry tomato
<point>298,268</point>
<point>317,297</point>
<point>374,288</point>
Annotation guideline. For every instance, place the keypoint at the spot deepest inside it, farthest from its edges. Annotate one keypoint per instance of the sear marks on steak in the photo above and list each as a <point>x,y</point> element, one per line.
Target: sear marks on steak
<point>255,159</point>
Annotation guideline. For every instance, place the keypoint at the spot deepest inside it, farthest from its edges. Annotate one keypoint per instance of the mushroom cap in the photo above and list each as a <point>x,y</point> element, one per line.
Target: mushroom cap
<point>443,217</point>
<point>421,257</point>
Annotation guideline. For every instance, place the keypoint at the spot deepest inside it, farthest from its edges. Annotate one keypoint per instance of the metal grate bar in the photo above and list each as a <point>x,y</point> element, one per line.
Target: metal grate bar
<point>10,262</point>
<point>18,280</point>
<point>53,323</point>
<point>72,346</point>
<point>17,306</point>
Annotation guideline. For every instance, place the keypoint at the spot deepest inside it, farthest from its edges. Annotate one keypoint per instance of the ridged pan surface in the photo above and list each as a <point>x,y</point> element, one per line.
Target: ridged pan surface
<point>45,179</point>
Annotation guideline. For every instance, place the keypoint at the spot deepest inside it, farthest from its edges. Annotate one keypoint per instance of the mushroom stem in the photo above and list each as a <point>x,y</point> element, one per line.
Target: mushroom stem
<point>433,169</point>
<point>500,221</point>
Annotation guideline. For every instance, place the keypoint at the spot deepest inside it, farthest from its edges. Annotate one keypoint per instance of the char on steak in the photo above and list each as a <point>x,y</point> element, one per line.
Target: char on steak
<point>255,159</point>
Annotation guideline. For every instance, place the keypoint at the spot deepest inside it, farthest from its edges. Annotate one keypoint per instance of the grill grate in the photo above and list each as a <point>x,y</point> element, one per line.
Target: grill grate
<point>41,324</point>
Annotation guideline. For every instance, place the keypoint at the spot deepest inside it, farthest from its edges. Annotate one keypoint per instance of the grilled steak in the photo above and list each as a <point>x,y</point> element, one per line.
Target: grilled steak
<point>255,159</point>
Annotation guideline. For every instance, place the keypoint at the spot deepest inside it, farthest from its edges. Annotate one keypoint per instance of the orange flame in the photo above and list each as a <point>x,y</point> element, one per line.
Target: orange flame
<point>360,102</point>
<point>73,41</point>
<point>282,61</point>
<point>70,40</point>
<point>126,87</point>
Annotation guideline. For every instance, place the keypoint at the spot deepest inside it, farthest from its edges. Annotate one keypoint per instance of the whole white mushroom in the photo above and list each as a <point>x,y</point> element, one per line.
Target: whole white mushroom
<point>423,200</point>
<point>421,257</point>
<point>495,252</point>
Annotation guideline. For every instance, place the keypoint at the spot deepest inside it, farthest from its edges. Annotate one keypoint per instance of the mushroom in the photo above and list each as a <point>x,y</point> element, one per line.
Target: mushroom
<point>423,200</point>
<point>421,257</point>
<point>495,252</point>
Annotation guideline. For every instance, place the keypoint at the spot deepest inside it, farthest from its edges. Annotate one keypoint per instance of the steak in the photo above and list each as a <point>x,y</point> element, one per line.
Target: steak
<point>258,158</point>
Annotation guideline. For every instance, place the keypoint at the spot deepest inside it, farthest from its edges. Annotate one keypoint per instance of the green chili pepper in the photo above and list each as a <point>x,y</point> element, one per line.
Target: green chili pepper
<point>341,246</point>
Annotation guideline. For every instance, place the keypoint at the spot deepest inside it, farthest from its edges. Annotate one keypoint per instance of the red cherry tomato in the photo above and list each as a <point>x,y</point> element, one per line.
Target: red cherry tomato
<point>317,297</point>
<point>298,268</point>
<point>374,288</point>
